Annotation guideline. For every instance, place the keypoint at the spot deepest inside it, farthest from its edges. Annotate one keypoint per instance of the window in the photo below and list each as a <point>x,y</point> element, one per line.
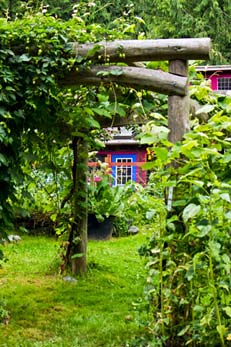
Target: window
<point>124,172</point>
<point>224,83</point>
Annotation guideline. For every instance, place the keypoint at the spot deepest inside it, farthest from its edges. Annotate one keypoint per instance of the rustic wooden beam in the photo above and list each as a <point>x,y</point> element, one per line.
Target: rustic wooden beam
<point>132,77</point>
<point>145,50</point>
<point>178,106</point>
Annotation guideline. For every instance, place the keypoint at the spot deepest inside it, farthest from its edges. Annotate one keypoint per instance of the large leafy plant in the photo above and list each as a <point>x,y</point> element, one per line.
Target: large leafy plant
<point>104,200</point>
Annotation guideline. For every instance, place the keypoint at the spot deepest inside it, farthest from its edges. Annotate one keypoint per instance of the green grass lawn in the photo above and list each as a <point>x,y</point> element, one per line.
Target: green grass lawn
<point>44,310</point>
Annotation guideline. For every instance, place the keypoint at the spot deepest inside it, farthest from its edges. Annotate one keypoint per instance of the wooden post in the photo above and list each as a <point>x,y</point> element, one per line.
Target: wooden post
<point>178,114</point>
<point>80,223</point>
<point>178,106</point>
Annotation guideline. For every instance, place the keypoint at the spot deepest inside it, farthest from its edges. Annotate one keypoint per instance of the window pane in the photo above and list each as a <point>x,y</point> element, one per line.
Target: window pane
<point>123,173</point>
<point>224,83</point>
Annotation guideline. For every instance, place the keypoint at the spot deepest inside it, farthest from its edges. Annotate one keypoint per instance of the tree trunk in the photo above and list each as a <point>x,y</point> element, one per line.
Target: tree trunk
<point>78,249</point>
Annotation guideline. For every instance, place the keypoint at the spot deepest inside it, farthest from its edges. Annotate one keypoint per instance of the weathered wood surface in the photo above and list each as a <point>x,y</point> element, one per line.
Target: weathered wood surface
<point>178,106</point>
<point>145,50</point>
<point>132,77</point>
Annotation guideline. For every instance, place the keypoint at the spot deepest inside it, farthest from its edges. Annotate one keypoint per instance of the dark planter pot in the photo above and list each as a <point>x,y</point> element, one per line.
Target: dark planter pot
<point>100,230</point>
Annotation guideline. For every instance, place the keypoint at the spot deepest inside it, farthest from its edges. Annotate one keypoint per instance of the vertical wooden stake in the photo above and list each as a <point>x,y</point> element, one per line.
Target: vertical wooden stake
<point>178,106</point>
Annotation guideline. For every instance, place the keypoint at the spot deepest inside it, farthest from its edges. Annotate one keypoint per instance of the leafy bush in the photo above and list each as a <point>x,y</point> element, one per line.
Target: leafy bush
<point>189,262</point>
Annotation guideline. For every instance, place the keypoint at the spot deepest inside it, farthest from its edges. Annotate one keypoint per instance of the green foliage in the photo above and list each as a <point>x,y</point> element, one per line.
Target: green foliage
<point>37,116</point>
<point>190,18</point>
<point>153,19</point>
<point>188,287</point>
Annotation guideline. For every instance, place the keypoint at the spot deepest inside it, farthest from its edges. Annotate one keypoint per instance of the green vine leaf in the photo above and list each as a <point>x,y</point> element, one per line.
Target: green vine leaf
<point>227,310</point>
<point>190,212</point>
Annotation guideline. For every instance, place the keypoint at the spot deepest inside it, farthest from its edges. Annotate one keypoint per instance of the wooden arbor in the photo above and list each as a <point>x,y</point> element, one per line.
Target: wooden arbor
<point>174,84</point>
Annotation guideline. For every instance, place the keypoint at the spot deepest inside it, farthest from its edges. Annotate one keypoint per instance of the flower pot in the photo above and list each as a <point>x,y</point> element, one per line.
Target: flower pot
<point>100,230</point>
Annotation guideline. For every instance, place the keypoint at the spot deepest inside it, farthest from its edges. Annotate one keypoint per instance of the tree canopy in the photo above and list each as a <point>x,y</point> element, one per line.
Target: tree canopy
<point>154,19</point>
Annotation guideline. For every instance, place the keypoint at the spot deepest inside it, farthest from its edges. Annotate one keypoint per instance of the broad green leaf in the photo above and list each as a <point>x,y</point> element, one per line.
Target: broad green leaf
<point>190,211</point>
<point>227,157</point>
<point>225,197</point>
<point>221,330</point>
<point>226,259</point>
<point>116,72</point>
<point>24,58</point>
<point>198,308</point>
<point>156,135</point>
<point>93,123</point>
<point>120,110</point>
<point>149,165</point>
<point>184,331</point>
<point>2,134</point>
<point>102,97</point>
<point>204,230</point>
<point>3,160</point>
<point>224,285</point>
<point>32,185</point>
<point>227,310</point>
<point>188,146</point>
<point>53,217</point>
<point>190,273</point>
<point>215,248</point>
<point>103,73</point>
<point>150,214</point>
<point>205,109</point>
<point>91,52</point>
<point>161,153</point>
<point>2,111</point>
<point>102,112</point>
<point>148,139</point>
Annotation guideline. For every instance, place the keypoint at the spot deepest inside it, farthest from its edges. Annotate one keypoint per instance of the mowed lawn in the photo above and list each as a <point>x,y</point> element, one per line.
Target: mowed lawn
<point>101,309</point>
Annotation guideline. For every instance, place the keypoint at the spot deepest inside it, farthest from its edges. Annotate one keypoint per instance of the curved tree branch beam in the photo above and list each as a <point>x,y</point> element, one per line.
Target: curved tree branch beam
<point>132,77</point>
<point>145,50</point>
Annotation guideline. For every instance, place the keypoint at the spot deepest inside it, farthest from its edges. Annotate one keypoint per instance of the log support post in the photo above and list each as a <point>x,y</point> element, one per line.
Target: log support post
<point>80,215</point>
<point>178,114</point>
<point>178,106</point>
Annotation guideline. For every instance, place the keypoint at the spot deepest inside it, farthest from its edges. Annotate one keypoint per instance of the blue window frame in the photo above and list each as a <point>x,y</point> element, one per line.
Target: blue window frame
<point>124,173</point>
